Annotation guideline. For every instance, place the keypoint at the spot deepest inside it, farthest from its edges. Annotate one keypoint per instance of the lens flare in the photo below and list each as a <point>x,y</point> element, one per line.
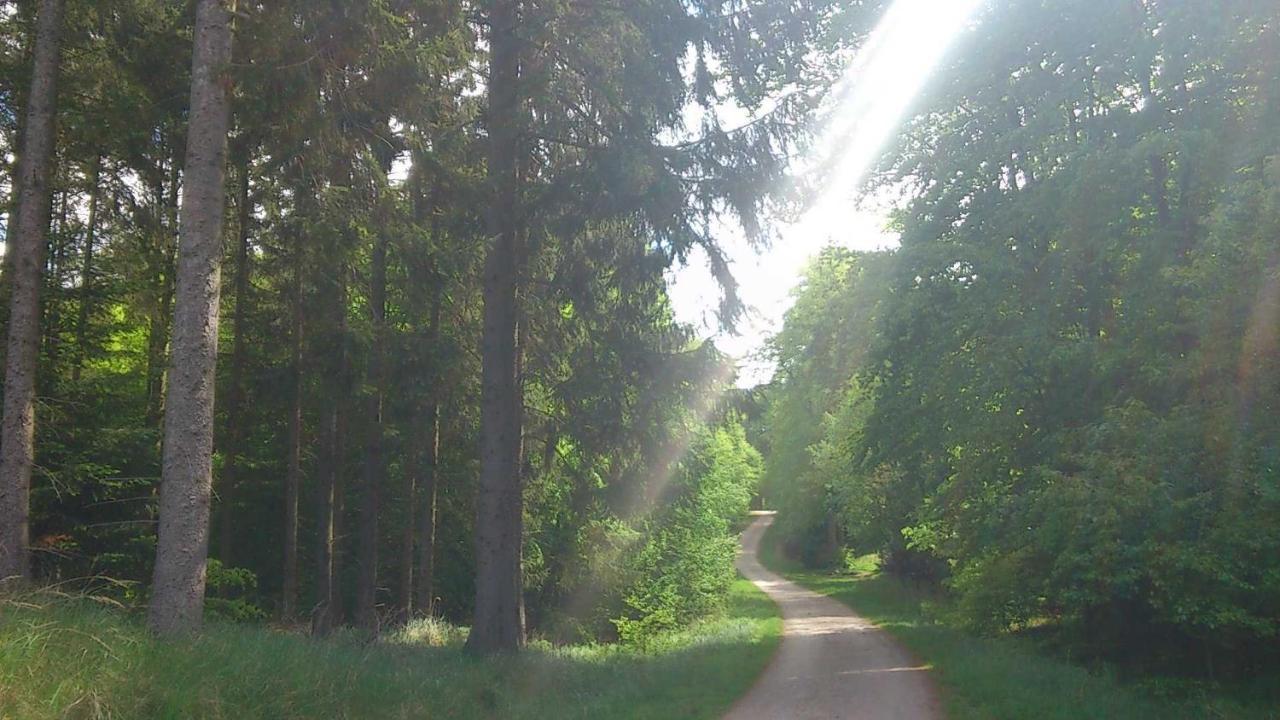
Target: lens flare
<point>863,111</point>
<point>872,99</point>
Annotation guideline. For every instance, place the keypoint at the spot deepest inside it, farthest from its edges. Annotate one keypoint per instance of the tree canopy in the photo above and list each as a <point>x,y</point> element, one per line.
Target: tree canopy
<point>1057,397</point>
<point>342,273</point>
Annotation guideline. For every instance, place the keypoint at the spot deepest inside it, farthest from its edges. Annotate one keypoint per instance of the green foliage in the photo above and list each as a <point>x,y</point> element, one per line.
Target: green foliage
<point>817,407</point>
<point>226,589</point>
<point>358,128</point>
<point>1066,417</point>
<point>682,566</point>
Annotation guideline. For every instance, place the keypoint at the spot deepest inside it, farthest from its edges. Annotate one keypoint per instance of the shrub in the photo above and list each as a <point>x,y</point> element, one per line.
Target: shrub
<point>683,567</point>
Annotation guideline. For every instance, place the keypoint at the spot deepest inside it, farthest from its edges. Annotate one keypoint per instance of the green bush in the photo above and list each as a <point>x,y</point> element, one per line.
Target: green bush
<point>227,590</point>
<point>683,567</point>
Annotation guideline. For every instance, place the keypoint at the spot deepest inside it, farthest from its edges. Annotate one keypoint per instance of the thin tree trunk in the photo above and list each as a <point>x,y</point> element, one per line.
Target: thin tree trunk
<point>428,488</point>
<point>235,379</point>
<point>161,331</point>
<point>51,323</point>
<point>15,191</point>
<point>322,615</point>
<point>86,269</point>
<point>374,469</point>
<point>52,305</point>
<point>177,601</point>
<point>404,591</point>
<point>328,596</point>
<point>337,604</point>
<point>27,244</point>
<point>162,274</point>
<point>1160,189</point>
<point>1186,203</point>
<point>516,508</point>
<point>421,575</point>
<point>293,474</point>
<point>498,625</point>
<point>157,348</point>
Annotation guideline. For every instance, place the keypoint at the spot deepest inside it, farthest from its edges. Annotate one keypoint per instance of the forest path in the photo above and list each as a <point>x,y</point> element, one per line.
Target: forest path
<point>832,663</point>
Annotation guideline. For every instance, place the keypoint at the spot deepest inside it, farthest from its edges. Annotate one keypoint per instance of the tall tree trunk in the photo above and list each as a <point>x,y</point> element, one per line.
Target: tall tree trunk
<point>498,625</point>
<point>516,508</point>
<point>337,604</point>
<point>323,617</point>
<point>177,601</point>
<point>329,611</point>
<point>428,487</point>
<point>27,244</point>
<point>374,469</point>
<point>15,193</point>
<point>419,576</point>
<point>86,269</point>
<point>293,474</point>
<point>235,379</point>
<point>404,590</point>
<point>51,305</point>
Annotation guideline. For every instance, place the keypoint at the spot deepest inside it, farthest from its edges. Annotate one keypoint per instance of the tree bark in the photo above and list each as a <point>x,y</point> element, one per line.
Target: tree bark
<point>293,474</point>
<point>26,246</point>
<point>498,625</point>
<point>374,469</point>
<point>177,601</point>
<point>235,379</point>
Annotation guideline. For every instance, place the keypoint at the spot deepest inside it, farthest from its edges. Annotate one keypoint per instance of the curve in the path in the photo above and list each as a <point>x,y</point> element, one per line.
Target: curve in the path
<point>831,664</point>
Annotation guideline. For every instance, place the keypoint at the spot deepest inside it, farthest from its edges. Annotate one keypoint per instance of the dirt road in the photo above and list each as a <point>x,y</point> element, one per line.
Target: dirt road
<point>832,663</point>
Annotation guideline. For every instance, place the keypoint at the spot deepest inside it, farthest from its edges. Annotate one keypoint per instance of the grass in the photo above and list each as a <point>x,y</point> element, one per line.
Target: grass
<point>73,659</point>
<point>1009,677</point>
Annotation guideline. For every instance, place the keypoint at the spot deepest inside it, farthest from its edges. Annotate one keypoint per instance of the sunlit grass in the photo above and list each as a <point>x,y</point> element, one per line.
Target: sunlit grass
<point>1009,678</point>
<point>69,658</point>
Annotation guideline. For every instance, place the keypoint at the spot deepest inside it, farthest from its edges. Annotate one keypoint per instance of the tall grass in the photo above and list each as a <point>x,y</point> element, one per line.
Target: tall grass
<point>73,659</point>
<point>1011,678</point>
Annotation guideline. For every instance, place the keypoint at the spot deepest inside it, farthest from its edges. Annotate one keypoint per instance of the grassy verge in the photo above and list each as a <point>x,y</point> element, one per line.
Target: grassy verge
<point>72,659</point>
<point>1009,678</point>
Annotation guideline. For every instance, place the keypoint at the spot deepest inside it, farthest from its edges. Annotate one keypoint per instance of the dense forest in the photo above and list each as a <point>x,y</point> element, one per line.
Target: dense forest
<point>366,303</point>
<point>1057,400</point>
<point>336,316</point>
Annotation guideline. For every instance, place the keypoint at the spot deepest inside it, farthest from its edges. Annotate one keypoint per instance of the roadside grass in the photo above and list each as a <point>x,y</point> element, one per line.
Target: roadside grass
<point>71,658</point>
<point>1009,677</point>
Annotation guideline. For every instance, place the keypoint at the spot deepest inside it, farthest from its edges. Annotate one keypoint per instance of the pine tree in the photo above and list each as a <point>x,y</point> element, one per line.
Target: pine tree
<point>24,262</point>
<point>177,601</point>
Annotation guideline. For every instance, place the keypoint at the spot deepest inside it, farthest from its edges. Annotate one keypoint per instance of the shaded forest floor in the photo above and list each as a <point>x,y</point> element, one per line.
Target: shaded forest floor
<point>73,659</point>
<point>1010,678</point>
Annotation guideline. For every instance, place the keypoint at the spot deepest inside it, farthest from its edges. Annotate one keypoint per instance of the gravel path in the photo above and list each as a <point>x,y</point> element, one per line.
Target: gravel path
<point>832,663</point>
